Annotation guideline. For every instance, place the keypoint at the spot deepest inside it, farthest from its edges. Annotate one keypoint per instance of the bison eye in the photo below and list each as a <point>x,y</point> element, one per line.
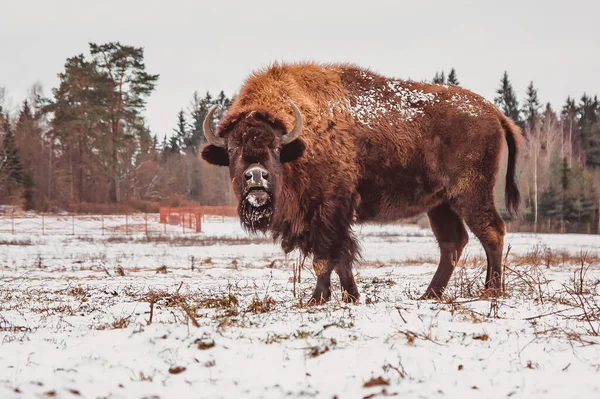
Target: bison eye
<point>230,151</point>
<point>277,150</point>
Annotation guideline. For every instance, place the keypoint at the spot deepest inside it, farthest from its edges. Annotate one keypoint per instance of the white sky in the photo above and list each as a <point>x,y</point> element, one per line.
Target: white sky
<point>202,45</point>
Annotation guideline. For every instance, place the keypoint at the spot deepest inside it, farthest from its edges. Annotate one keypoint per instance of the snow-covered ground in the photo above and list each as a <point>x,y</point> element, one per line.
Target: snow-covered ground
<point>217,314</point>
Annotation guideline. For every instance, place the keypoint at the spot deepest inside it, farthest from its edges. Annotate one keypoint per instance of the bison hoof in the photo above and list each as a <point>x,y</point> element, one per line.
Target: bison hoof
<point>350,298</point>
<point>431,294</point>
<point>491,293</point>
<point>318,298</point>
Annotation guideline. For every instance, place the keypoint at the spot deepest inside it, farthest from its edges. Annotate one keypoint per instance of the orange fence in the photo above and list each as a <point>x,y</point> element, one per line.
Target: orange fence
<point>192,215</point>
<point>168,221</point>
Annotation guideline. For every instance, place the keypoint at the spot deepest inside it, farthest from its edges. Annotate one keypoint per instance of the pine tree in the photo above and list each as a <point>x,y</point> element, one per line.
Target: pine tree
<point>452,78</point>
<point>199,109</point>
<point>224,104</point>
<point>507,100</point>
<point>12,167</point>
<point>567,201</point>
<point>439,78</point>
<point>531,109</point>
<point>79,111</point>
<point>181,133</point>
<point>129,85</point>
<point>164,149</point>
<point>29,142</point>
<point>588,112</point>
<point>174,147</point>
<point>568,119</point>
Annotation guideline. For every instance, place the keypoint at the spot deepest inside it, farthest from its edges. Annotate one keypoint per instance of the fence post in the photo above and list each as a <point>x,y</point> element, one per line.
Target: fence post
<point>198,222</point>
<point>13,221</point>
<point>183,223</point>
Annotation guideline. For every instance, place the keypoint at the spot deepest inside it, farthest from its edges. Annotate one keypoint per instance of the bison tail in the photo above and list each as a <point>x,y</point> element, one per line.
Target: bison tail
<point>513,139</point>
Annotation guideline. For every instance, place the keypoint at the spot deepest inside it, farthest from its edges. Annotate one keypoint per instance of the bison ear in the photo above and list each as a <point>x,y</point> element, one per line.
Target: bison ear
<point>292,151</point>
<point>215,155</point>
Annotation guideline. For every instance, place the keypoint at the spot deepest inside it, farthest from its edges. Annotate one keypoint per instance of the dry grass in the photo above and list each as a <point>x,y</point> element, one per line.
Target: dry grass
<point>375,382</point>
<point>318,350</point>
<point>122,322</point>
<point>16,241</point>
<point>264,305</point>
<point>226,302</point>
<point>526,278</point>
<point>188,241</point>
<point>205,343</point>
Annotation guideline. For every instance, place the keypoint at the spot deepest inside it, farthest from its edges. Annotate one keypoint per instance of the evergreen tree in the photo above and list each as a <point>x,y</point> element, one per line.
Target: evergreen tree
<point>582,192</point>
<point>549,204</point>
<point>181,133</point>
<point>198,110</point>
<point>567,201</point>
<point>439,78</point>
<point>28,140</point>
<point>164,149</point>
<point>224,104</point>
<point>452,78</point>
<point>531,109</point>
<point>568,117</point>
<point>173,147</point>
<point>507,100</point>
<point>588,114</point>
<point>12,167</point>
<point>78,128</point>
<point>129,85</point>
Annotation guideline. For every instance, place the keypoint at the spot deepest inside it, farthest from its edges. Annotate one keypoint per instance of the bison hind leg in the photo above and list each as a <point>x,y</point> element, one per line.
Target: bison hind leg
<point>482,218</point>
<point>452,237</point>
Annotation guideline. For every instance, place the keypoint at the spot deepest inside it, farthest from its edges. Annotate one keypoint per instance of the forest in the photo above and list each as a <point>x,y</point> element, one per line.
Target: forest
<point>87,147</point>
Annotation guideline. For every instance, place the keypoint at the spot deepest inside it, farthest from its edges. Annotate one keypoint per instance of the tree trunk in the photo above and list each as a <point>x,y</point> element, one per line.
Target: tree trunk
<point>50,153</point>
<point>535,186</point>
<point>570,142</point>
<point>71,178</point>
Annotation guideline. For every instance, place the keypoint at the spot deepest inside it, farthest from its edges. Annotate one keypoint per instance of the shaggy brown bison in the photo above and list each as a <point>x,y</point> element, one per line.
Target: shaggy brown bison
<point>313,148</point>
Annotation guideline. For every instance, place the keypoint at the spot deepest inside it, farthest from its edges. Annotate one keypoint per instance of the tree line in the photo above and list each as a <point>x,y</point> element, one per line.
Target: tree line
<point>87,147</point>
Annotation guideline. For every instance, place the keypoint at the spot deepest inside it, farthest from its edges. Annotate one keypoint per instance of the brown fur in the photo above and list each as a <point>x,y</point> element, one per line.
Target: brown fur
<point>375,149</point>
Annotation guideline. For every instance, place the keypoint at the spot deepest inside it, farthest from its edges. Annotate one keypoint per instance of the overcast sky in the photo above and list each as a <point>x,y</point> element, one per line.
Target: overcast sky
<point>201,45</point>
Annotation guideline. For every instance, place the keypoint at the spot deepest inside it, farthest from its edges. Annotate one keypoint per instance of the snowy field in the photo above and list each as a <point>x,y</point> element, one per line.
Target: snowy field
<point>219,314</point>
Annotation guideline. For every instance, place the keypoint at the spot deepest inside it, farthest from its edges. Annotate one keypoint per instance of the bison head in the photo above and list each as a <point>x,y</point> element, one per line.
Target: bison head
<point>255,147</point>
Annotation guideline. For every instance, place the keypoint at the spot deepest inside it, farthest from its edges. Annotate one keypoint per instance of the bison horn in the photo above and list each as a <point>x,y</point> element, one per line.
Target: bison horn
<point>208,133</point>
<point>295,132</point>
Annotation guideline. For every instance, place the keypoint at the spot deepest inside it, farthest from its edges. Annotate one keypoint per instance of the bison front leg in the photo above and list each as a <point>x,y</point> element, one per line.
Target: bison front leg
<point>349,289</point>
<point>322,292</point>
<point>335,248</point>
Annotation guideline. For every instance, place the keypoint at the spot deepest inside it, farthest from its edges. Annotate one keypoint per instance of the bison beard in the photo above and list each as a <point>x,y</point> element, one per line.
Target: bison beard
<point>256,210</point>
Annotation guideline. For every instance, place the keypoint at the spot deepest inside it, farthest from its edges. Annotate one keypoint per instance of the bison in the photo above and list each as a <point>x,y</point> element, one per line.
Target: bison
<point>313,148</point>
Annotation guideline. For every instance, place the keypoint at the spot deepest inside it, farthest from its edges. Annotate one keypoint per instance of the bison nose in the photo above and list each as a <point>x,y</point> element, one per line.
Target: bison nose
<point>256,176</point>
